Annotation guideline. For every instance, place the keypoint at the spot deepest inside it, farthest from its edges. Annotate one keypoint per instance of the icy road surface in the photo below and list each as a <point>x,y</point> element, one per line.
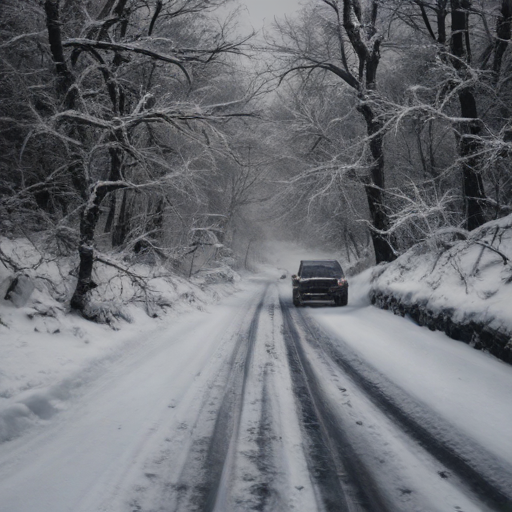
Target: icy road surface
<point>261,406</point>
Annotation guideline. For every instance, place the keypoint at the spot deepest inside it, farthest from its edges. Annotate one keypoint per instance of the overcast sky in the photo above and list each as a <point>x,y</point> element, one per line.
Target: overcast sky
<point>263,11</point>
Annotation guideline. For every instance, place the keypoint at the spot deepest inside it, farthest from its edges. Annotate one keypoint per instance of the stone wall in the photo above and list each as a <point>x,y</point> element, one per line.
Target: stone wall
<point>477,335</point>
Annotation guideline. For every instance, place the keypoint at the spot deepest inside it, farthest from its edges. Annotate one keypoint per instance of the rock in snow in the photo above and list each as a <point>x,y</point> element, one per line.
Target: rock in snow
<point>20,290</point>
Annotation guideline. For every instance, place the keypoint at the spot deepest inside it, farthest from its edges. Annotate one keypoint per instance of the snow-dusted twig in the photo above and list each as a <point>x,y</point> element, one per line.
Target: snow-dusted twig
<point>139,280</point>
<point>114,46</point>
<point>9,262</point>
<point>505,259</point>
<point>21,37</point>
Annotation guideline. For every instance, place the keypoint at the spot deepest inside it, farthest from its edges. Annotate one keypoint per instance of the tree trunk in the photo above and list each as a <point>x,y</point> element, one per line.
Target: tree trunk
<point>65,78</point>
<point>88,223</point>
<point>503,33</point>
<point>65,88</point>
<point>354,243</point>
<point>473,189</point>
<point>111,214</point>
<point>368,53</point>
<point>374,188</point>
<point>157,221</point>
<point>122,226</point>
<point>441,14</point>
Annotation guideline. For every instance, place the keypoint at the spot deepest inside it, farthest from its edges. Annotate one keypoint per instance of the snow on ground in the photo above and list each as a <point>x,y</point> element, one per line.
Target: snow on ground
<point>471,388</point>
<point>473,276</point>
<point>47,354</point>
<point>135,436</point>
<point>76,460</point>
<point>90,417</point>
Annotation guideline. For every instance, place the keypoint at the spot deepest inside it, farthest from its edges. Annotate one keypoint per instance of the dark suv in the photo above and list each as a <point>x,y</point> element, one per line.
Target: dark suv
<point>320,281</point>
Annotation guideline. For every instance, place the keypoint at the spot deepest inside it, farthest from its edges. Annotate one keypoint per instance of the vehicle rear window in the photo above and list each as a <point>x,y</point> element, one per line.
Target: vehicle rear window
<point>327,269</point>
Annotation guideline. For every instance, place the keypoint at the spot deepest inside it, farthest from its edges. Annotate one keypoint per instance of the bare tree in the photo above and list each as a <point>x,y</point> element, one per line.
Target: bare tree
<point>105,115</point>
<point>344,42</point>
<point>456,50</point>
<point>318,196</point>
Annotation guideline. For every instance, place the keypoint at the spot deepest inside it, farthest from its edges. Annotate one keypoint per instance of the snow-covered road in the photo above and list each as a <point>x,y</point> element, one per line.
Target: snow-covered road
<point>258,405</point>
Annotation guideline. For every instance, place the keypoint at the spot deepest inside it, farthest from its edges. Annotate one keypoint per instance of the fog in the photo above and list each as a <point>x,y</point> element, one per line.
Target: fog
<point>277,256</point>
<point>259,13</point>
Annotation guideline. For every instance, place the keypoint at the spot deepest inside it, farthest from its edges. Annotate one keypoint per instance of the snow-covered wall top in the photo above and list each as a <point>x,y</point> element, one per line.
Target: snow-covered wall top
<point>472,277</point>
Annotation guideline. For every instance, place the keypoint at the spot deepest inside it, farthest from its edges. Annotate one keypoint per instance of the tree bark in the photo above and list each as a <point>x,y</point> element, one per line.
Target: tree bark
<point>156,223</point>
<point>375,186</point>
<point>122,226</point>
<point>88,223</point>
<point>66,89</point>
<point>473,189</point>
<point>441,24</point>
<point>111,214</point>
<point>503,34</point>
<point>65,79</point>
<point>368,52</point>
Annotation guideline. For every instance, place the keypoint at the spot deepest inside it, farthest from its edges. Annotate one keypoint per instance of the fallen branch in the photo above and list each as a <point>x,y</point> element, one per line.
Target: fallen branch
<point>493,249</point>
<point>141,281</point>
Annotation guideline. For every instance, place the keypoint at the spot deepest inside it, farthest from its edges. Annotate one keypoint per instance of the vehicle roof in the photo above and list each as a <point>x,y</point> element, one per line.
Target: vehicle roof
<point>326,263</point>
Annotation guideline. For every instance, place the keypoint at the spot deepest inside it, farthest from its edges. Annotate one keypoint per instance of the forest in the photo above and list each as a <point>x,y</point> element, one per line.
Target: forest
<point>160,133</point>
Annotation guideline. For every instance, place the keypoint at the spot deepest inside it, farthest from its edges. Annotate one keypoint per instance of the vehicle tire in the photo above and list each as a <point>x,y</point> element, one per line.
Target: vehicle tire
<point>341,300</point>
<point>296,301</point>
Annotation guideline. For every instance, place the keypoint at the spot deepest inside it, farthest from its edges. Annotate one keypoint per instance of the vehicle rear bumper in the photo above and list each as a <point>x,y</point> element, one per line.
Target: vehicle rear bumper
<point>324,296</point>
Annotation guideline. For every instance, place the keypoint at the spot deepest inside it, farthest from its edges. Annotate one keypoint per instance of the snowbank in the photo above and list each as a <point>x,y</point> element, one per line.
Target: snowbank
<point>463,288</point>
<point>48,353</point>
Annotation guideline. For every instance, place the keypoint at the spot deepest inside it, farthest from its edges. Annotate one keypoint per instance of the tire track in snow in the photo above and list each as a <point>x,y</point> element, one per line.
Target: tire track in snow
<point>238,448</point>
<point>227,427</point>
<point>251,473</point>
<point>343,481</point>
<point>182,473</point>
<point>211,492</point>
<point>494,494</point>
<point>246,466</point>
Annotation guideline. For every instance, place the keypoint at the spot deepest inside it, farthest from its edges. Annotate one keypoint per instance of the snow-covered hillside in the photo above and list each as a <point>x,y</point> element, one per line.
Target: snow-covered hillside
<point>463,288</point>
<point>47,352</point>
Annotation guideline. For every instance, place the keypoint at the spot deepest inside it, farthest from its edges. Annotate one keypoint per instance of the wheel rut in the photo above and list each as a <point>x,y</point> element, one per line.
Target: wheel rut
<point>492,493</point>
<point>343,481</point>
<point>205,481</point>
<point>274,423</point>
<point>223,441</point>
